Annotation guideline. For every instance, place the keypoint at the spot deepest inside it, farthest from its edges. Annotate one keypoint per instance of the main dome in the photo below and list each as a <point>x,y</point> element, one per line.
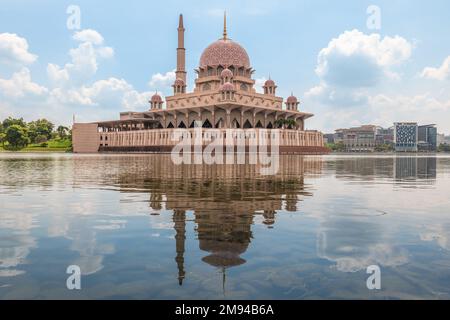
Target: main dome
<point>224,52</point>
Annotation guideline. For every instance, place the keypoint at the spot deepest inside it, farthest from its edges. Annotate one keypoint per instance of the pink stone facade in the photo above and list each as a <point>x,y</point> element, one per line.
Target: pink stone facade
<point>224,97</point>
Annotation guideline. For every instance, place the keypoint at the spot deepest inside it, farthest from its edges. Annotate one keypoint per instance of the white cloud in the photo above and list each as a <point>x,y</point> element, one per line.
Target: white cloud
<point>259,84</point>
<point>357,60</point>
<point>385,109</point>
<point>161,81</point>
<point>84,60</point>
<point>441,73</point>
<point>89,35</point>
<point>14,50</point>
<point>20,85</point>
<point>116,93</point>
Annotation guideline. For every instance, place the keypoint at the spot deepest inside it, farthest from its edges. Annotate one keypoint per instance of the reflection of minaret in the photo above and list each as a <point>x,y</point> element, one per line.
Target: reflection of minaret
<point>269,218</point>
<point>155,201</point>
<point>179,219</point>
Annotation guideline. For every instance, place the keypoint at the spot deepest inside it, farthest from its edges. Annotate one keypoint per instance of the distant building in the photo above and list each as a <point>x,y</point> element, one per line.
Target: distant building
<point>427,138</point>
<point>384,136</point>
<point>360,139</point>
<point>328,138</point>
<point>406,136</point>
<point>338,135</point>
<point>440,139</point>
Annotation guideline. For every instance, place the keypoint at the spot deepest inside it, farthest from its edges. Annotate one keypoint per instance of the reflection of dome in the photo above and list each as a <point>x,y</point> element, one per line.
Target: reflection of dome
<point>292,99</point>
<point>223,260</point>
<point>226,73</point>
<point>224,52</point>
<point>227,87</point>
<point>156,98</point>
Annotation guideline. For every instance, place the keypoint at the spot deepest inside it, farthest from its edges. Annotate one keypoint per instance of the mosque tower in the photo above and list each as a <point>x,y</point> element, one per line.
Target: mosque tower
<point>179,87</point>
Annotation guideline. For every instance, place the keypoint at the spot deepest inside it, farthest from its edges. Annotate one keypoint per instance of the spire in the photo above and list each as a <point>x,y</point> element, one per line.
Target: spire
<point>180,22</point>
<point>224,25</point>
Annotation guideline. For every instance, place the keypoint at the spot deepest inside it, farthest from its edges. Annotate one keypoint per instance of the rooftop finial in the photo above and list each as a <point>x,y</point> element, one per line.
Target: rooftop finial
<point>180,22</point>
<point>224,25</point>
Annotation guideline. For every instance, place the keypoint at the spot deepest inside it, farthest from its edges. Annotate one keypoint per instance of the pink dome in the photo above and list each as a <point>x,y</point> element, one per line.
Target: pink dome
<point>269,83</point>
<point>227,87</point>
<point>292,99</point>
<point>156,98</point>
<point>226,73</point>
<point>224,52</point>
<point>179,82</point>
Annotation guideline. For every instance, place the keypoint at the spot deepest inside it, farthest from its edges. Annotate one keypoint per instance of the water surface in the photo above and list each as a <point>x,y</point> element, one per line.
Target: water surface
<point>140,227</point>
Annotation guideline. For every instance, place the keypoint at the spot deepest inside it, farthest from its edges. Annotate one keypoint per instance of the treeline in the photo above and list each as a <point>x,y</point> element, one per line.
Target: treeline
<point>16,134</point>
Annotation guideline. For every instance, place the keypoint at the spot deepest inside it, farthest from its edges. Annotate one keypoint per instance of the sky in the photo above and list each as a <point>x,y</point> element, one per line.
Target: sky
<point>350,62</point>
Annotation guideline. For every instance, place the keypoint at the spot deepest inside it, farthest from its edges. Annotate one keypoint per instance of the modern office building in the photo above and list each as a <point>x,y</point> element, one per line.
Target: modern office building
<point>427,138</point>
<point>406,136</point>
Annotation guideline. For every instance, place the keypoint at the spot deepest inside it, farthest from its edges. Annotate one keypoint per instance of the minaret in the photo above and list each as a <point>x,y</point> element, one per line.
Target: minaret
<point>181,60</point>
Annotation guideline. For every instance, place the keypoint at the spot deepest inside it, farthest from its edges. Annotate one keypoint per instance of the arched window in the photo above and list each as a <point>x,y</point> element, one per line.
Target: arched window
<point>247,124</point>
<point>244,87</point>
<point>170,125</point>
<point>181,125</point>
<point>259,124</point>
<point>270,125</point>
<point>235,124</point>
<point>206,87</point>
<point>219,124</point>
<point>207,124</point>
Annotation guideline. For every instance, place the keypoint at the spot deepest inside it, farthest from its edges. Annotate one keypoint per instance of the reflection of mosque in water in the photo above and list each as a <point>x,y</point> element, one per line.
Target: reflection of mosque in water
<point>225,201</point>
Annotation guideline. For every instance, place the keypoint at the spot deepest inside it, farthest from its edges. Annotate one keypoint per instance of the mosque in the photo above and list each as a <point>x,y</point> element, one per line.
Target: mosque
<point>224,98</point>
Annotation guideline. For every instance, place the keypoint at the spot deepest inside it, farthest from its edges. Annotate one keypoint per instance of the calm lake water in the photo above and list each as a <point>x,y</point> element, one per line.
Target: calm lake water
<point>140,227</point>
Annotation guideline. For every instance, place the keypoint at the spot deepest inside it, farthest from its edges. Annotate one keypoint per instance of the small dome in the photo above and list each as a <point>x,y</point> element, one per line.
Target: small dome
<point>227,87</point>
<point>269,83</point>
<point>292,99</point>
<point>226,73</point>
<point>179,82</point>
<point>156,98</point>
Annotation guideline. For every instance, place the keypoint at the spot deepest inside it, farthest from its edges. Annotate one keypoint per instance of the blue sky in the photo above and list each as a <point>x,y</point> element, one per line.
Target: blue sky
<point>323,51</point>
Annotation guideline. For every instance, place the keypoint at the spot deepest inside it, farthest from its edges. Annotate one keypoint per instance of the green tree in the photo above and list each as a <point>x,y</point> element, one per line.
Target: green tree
<point>41,127</point>
<point>337,147</point>
<point>2,138</point>
<point>62,132</point>
<point>17,137</point>
<point>444,147</point>
<point>386,147</point>
<point>11,121</point>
